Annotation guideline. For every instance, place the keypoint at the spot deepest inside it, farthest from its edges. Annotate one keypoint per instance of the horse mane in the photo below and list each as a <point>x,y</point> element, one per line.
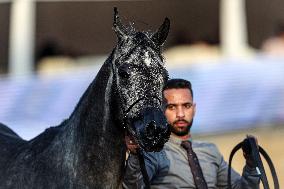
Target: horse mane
<point>95,82</point>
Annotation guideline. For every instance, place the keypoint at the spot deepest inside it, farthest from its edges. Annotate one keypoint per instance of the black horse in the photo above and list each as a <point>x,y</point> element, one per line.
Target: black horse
<point>87,150</point>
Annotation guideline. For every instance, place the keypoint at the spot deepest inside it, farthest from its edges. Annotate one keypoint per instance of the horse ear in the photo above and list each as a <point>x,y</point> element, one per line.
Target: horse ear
<point>118,27</point>
<point>160,36</point>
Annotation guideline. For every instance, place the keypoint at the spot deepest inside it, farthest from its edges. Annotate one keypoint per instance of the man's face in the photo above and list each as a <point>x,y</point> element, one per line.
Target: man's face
<point>179,110</point>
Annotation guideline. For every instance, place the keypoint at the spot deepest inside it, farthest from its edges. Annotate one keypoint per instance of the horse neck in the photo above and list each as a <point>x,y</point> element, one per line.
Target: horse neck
<point>97,139</point>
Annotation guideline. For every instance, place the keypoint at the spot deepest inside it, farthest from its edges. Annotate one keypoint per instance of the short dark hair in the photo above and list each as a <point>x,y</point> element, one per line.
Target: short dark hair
<point>178,84</point>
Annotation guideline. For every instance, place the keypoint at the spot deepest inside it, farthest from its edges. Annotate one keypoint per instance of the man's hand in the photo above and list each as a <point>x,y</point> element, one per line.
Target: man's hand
<point>247,152</point>
<point>131,145</point>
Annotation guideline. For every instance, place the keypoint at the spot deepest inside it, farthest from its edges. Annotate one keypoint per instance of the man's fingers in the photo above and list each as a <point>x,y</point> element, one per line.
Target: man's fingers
<point>131,145</point>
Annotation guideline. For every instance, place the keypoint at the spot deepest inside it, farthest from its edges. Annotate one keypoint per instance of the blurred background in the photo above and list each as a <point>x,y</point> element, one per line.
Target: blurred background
<point>231,50</point>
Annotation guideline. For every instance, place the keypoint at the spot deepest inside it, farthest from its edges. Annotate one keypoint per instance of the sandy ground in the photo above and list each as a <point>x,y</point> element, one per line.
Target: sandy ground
<point>271,139</point>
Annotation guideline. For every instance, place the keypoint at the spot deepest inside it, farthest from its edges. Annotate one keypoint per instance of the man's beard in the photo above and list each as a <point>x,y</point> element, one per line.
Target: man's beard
<point>181,132</point>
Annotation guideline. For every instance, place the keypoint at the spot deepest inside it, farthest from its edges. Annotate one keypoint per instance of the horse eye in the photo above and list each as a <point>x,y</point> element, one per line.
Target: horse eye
<point>123,71</point>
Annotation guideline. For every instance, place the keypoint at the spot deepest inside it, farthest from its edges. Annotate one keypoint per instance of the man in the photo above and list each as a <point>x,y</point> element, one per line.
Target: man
<point>173,167</point>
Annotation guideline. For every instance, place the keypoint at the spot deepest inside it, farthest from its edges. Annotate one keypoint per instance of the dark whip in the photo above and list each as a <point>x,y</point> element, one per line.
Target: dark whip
<point>253,150</point>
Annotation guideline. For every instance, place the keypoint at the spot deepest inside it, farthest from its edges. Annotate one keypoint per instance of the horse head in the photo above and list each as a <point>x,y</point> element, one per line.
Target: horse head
<point>139,76</point>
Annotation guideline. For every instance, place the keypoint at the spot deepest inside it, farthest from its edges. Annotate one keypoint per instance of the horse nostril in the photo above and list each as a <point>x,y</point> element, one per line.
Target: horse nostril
<point>151,128</point>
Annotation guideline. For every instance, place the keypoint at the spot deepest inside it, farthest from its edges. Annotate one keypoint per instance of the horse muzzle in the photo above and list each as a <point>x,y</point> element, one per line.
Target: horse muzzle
<point>151,129</point>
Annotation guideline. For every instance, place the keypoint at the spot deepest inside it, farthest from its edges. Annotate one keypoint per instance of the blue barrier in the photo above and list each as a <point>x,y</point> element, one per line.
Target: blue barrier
<point>230,95</point>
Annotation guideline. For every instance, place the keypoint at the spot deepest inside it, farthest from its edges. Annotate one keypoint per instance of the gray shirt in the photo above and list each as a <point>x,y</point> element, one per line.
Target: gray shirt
<point>169,168</point>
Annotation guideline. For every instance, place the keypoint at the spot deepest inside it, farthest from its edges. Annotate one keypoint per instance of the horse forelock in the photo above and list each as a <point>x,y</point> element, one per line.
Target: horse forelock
<point>137,49</point>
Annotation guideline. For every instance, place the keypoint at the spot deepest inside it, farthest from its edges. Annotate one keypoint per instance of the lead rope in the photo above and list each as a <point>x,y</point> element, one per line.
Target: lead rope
<point>143,168</point>
<point>250,145</point>
<point>271,166</point>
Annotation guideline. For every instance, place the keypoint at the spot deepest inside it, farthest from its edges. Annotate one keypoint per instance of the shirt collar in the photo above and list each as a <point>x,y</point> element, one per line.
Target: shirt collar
<point>177,140</point>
